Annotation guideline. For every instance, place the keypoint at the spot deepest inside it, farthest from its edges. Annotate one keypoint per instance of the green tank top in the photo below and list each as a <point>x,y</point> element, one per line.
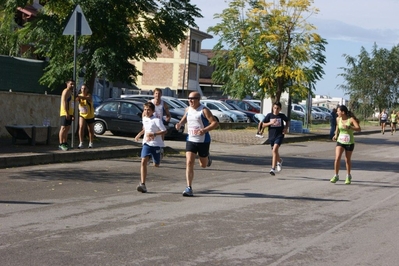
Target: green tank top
<point>393,118</point>
<point>345,136</point>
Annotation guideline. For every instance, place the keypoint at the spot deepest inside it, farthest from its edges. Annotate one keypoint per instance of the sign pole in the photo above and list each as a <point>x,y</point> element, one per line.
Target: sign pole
<point>77,25</point>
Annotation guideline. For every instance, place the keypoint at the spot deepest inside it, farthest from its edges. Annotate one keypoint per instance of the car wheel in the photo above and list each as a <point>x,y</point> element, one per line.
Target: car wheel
<point>99,127</point>
<point>231,120</point>
<point>217,120</point>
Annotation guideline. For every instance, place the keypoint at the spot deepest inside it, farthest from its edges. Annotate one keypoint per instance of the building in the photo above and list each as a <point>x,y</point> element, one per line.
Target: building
<point>177,70</point>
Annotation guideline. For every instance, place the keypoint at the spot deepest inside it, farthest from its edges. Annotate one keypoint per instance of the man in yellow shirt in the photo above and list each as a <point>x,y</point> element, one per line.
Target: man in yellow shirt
<point>67,109</point>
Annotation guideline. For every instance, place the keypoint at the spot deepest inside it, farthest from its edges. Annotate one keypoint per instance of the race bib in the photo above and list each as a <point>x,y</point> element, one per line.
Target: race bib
<point>344,138</point>
<point>194,131</point>
<point>83,109</point>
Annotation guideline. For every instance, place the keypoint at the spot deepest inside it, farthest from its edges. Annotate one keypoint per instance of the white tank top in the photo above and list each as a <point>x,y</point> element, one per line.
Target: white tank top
<point>158,109</point>
<point>196,121</point>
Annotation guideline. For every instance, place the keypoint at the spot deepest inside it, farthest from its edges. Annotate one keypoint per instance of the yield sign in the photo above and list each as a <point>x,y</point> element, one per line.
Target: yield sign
<point>77,22</point>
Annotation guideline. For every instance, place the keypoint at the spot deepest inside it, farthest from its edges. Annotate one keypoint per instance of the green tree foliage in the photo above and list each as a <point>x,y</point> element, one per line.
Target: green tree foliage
<point>266,48</point>
<point>372,79</point>
<point>123,31</point>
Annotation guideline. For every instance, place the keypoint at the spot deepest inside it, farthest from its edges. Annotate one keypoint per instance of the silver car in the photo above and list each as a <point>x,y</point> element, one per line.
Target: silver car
<point>235,116</point>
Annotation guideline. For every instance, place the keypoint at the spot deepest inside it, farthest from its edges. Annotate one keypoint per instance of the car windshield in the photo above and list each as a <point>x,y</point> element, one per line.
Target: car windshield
<point>227,106</point>
<point>220,106</point>
<point>171,104</point>
<point>179,103</point>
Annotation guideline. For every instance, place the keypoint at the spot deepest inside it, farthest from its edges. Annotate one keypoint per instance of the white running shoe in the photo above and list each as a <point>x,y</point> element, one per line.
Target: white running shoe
<point>259,136</point>
<point>80,145</point>
<point>280,165</point>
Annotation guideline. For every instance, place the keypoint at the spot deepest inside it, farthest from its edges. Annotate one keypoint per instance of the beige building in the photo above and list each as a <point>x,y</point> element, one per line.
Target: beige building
<point>178,69</point>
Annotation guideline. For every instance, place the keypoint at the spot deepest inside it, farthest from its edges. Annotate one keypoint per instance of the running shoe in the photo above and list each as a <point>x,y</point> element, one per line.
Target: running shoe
<point>258,135</point>
<point>188,192</point>
<point>348,180</point>
<point>80,145</point>
<point>141,188</point>
<point>90,145</point>
<point>63,147</point>
<point>272,172</point>
<point>334,179</point>
<point>209,161</point>
<point>280,165</point>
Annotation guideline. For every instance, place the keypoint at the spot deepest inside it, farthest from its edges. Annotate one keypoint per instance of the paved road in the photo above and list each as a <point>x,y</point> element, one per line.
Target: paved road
<point>88,213</point>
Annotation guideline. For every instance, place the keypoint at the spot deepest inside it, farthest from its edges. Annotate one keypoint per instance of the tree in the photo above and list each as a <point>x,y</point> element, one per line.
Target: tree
<point>372,79</point>
<point>123,30</point>
<point>267,51</point>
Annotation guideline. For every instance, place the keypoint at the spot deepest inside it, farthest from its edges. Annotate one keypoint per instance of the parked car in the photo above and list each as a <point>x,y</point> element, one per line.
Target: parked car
<point>302,109</point>
<point>257,102</point>
<point>249,114</point>
<point>325,109</point>
<point>244,105</point>
<point>218,115</point>
<point>326,115</point>
<point>124,116</point>
<point>97,101</point>
<point>235,116</point>
<point>175,110</point>
<point>185,101</point>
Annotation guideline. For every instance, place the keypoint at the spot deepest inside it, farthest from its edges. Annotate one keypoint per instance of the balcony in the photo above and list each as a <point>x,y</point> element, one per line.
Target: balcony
<point>197,58</point>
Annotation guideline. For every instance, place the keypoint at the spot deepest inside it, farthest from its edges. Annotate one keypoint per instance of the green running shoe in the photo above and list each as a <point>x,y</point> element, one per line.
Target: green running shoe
<point>334,179</point>
<point>348,180</point>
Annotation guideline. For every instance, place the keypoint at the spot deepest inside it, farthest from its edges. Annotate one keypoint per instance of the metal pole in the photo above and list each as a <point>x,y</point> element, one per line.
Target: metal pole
<point>75,52</point>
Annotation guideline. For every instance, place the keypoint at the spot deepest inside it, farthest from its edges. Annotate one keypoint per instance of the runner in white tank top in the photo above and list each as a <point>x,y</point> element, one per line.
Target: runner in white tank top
<point>199,122</point>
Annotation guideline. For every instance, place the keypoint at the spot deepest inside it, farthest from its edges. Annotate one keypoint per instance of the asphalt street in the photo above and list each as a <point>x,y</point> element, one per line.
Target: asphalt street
<point>89,212</point>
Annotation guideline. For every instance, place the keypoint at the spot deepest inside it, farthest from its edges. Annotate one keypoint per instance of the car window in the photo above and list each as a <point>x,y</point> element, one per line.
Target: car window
<point>211,106</point>
<point>110,107</point>
<point>179,103</point>
<point>130,109</point>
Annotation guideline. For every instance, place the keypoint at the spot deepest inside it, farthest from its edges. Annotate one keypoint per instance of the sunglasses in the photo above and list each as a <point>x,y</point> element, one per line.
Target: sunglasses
<point>193,98</point>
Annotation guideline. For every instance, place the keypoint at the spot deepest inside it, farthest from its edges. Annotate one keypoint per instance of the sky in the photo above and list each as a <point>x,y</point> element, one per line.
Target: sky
<point>347,25</point>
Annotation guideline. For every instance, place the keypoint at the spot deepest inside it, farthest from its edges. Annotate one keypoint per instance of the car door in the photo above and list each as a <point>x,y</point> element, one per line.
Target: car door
<point>109,113</point>
<point>130,118</point>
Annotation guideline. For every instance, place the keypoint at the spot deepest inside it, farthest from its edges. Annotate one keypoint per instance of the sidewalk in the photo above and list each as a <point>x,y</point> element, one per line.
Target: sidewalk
<point>108,146</point>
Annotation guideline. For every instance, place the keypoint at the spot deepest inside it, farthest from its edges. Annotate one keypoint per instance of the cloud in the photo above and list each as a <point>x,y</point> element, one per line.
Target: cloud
<point>339,30</point>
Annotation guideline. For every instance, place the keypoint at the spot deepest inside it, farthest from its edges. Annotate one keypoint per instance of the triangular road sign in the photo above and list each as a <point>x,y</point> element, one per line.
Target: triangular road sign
<point>77,21</point>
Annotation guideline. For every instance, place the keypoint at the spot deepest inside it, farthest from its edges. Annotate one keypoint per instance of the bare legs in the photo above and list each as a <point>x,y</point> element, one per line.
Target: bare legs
<point>338,154</point>
<point>275,155</point>
<point>190,161</point>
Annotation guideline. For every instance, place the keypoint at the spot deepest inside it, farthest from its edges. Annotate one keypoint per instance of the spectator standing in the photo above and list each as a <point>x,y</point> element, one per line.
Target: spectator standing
<point>67,108</point>
<point>86,115</point>
<point>199,122</point>
<point>333,122</point>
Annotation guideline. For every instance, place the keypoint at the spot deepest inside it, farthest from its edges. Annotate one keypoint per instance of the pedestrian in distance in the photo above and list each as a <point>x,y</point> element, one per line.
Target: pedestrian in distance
<point>199,121</point>
<point>86,115</point>
<point>67,108</point>
<point>278,125</point>
<point>333,122</point>
<point>394,120</point>
<point>347,123</point>
<point>383,120</point>
<point>154,130</point>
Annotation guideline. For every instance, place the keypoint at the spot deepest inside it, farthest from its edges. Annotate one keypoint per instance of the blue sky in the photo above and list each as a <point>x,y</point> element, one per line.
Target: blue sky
<point>347,25</point>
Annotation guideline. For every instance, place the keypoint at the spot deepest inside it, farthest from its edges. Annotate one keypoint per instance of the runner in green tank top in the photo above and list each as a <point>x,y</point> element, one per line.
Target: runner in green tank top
<point>394,120</point>
<point>346,125</point>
